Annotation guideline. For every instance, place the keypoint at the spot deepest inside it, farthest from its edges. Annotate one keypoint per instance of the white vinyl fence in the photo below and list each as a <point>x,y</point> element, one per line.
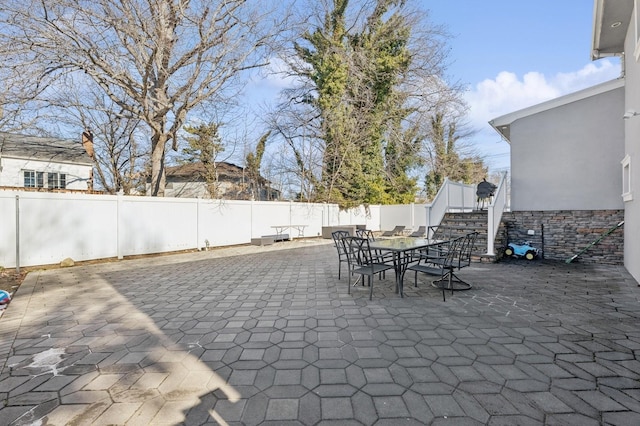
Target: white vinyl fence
<point>41,228</point>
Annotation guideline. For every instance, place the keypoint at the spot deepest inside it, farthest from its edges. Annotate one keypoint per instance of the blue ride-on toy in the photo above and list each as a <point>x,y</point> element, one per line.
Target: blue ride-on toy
<point>525,250</point>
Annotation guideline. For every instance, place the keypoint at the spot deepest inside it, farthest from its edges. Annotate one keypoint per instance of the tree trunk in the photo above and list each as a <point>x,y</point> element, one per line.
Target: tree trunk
<point>158,177</point>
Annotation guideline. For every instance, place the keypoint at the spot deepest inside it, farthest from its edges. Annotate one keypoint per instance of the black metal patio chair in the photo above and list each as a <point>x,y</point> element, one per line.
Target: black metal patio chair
<point>362,261</point>
<point>439,261</point>
<point>446,258</point>
<point>464,259</point>
<point>379,255</point>
<point>342,254</point>
<point>365,233</point>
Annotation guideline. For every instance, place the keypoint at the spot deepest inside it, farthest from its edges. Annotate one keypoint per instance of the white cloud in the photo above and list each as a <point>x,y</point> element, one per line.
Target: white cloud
<point>488,99</point>
<point>590,75</point>
<point>274,77</point>
<point>507,93</point>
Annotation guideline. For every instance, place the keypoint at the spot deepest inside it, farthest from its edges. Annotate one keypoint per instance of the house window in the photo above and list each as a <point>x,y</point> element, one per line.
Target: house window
<point>627,195</point>
<point>56,180</point>
<point>29,179</point>
<point>33,179</point>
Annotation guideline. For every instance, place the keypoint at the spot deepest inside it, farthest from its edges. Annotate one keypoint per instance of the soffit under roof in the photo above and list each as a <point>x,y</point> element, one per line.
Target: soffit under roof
<point>611,19</point>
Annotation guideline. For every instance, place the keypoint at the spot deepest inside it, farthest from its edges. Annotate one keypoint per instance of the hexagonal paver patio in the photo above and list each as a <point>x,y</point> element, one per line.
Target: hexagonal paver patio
<point>269,335</point>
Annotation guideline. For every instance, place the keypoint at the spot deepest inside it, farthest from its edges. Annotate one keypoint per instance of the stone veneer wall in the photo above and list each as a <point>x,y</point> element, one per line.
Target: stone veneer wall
<point>563,233</point>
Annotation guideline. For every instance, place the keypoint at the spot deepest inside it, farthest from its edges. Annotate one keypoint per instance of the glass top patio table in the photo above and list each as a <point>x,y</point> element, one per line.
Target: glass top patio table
<point>401,249</point>
<point>403,244</point>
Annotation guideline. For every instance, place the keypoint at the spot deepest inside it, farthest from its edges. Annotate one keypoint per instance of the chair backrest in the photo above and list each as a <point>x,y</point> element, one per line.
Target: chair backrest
<point>441,232</point>
<point>452,249</point>
<point>358,251</point>
<point>467,246</point>
<point>365,233</point>
<point>337,240</point>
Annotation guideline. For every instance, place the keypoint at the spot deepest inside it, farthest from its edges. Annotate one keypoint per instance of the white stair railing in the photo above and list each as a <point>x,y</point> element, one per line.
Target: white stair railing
<point>460,197</point>
<point>451,197</point>
<point>494,213</point>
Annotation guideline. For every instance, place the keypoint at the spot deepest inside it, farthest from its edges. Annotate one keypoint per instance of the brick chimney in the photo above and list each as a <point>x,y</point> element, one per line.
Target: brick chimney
<point>87,143</point>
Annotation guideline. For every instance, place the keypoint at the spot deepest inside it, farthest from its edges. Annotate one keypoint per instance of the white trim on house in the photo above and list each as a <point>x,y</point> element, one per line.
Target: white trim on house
<point>627,190</point>
<point>636,20</point>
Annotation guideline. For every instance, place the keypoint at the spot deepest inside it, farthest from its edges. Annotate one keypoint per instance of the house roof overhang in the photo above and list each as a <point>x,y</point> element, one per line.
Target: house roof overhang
<point>610,24</point>
<point>55,150</point>
<point>502,124</point>
<point>192,172</point>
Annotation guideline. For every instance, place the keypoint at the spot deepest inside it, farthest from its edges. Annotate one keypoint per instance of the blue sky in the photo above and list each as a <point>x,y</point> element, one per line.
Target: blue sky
<point>512,54</point>
<point>509,54</point>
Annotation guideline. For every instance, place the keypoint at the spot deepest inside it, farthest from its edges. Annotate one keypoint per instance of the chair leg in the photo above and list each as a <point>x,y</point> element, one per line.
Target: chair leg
<point>463,285</point>
<point>339,268</point>
<point>451,280</point>
<point>370,281</point>
<point>444,298</point>
<point>442,284</point>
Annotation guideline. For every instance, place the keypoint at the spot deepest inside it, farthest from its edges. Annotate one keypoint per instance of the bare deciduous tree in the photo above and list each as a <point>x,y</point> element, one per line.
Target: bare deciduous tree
<point>447,157</point>
<point>17,90</point>
<point>156,59</point>
<point>120,154</point>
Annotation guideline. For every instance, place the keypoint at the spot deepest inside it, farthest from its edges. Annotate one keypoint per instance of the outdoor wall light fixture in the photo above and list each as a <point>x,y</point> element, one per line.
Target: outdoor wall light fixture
<point>629,114</point>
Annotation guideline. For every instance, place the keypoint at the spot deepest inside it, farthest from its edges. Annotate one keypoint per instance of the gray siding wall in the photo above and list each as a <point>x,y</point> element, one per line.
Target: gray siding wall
<point>563,233</point>
<point>632,148</point>
<point>568,158</point>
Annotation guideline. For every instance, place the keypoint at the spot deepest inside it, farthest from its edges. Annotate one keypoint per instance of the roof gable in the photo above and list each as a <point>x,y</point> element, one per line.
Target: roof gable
<point>503,123</point>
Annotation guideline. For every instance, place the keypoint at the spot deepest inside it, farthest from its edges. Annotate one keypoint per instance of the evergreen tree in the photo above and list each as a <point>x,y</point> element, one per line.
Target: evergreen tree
<point>356,76</point>
<point>253,162</point>
<point>204,145</point>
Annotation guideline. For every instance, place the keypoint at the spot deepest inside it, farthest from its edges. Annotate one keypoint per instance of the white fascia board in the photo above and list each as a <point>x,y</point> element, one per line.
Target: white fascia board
<point>597,29</point>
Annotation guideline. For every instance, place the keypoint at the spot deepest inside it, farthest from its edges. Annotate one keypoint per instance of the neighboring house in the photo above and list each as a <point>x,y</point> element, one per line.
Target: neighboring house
<point>189,181</point>
<point>45,164</point>
<point>573,175</point>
